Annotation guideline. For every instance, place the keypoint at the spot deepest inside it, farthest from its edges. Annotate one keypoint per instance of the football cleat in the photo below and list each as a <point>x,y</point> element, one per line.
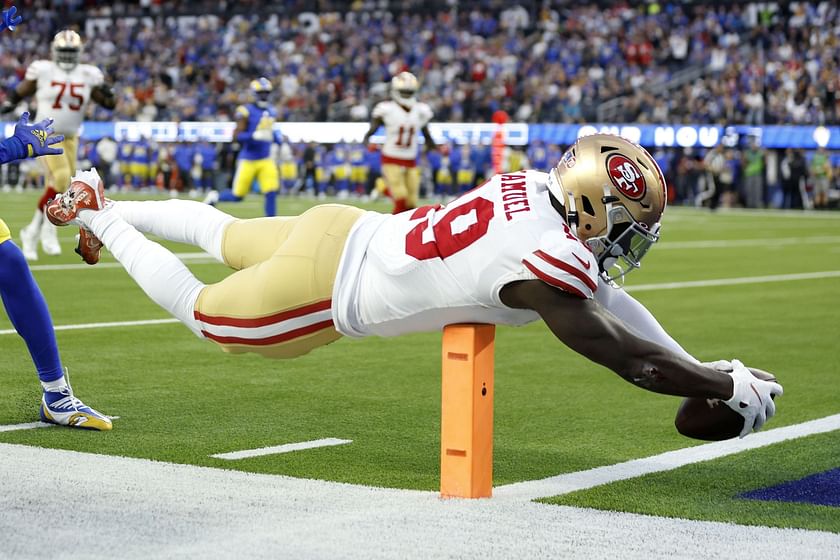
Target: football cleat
<point>29,242</point>
<point>49,239</point>
<point>86,192</point>
<point>212,197</point>
<point>63,408</point>
<point>89,246</point>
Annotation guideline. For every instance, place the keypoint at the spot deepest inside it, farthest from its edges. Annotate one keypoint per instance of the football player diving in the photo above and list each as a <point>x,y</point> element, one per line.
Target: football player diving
<point>255,132</point>
<point>63,88</point>
<point>523,246</point>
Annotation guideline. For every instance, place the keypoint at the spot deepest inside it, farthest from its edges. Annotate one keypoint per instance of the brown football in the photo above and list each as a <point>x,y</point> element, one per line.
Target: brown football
<point>711,419</point>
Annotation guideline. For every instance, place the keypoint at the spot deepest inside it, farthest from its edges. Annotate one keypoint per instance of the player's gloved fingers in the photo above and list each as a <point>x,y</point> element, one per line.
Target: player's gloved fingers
<point>55,139</point>
<point>749,420</point>
<point>760,419</point>
<point>776,389</point>
<point>770,409</point>
<point>24,118</point>
<point>736,364</point>
<point>46,124</point>
<point>52,151</point>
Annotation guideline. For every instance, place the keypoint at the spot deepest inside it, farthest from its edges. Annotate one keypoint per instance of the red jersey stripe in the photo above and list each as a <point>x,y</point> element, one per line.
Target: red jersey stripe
<point>564,266</point>
<point>554,281</point>
<point>263,321</point>
<point>269,340</point>
<point>398,161</point>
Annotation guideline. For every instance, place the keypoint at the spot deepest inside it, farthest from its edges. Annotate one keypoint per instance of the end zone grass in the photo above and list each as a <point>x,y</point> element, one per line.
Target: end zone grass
<point>711,490</point>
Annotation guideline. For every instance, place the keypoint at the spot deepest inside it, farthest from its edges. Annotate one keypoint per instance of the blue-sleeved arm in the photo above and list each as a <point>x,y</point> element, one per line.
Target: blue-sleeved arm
<point>12,149</point>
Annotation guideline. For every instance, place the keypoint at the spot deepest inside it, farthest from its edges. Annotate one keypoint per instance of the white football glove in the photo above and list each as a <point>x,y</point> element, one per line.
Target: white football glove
<point>723,366</point>
<point>752,397</point>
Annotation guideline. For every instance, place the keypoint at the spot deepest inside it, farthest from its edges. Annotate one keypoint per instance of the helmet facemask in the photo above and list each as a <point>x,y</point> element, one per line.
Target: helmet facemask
<point>622,248</point>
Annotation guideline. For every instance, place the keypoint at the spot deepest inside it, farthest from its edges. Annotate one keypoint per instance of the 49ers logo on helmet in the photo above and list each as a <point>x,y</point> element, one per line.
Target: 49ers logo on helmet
<point>626,176</point>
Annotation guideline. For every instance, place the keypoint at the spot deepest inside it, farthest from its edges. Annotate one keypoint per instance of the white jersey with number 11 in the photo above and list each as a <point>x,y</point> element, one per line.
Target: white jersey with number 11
<point>402,126</point>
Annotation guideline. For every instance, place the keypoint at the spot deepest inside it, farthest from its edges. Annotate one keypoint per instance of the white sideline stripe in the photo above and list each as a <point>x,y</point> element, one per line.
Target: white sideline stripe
<point>581,480</point>
<point>285,448</point>
<point>733,243</point>
<point>26,426</point>
<point>639,288</point>
<point>733,281</point>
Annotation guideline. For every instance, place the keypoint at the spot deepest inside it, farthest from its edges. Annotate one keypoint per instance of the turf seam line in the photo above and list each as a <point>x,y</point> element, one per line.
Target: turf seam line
<point>598,476</point>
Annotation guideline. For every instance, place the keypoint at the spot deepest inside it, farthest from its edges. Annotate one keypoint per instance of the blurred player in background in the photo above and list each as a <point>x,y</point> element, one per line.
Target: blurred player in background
<point>255,131</point>
<point>288,168</point>
<point>403,117</point>
<point>63,88</point>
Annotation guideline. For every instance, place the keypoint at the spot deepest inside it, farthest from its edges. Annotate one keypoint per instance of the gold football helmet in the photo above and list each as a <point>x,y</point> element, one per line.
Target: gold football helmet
<point>261,88</point>
<point>404,88</point>
<point>613,195</point>
<point>66,49</point>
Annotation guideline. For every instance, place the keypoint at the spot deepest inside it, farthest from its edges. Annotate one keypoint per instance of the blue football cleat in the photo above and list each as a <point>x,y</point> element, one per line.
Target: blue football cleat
<point>63,408</point>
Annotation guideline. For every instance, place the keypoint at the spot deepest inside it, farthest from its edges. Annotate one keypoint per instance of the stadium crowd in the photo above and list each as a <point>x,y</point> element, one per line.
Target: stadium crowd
<point>539,61</point>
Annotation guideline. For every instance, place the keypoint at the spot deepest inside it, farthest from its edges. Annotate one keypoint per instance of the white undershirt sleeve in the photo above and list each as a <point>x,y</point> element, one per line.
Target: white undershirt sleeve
<point>625,307</point>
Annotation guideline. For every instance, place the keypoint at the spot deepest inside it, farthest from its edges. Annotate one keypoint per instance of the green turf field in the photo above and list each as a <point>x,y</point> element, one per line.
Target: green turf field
<point>181,400</point>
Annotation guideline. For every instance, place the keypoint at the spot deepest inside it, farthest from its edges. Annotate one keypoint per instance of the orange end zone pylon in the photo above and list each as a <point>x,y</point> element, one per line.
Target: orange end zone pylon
<point>466,423</point>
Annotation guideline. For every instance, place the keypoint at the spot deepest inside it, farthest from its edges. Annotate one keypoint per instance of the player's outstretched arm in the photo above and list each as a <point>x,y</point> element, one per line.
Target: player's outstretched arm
<point>429,142</point>
<point>30,140</point>
<point>589,329</point>
<point>104,95</point>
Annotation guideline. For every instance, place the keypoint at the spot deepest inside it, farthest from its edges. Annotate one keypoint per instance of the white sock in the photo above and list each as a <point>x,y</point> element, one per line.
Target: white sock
<point>184,221</point>
<point>37,220</point>
<point>156,270</point>
<point>55,385</point>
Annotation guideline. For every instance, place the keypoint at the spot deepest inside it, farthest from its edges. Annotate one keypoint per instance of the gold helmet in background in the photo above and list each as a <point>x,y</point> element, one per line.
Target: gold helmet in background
<point>66,49</point>
<point>404,88</point>
<point>613,194</point>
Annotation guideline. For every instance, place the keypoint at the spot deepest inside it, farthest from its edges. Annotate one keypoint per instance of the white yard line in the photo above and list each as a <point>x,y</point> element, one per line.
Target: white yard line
<point>733,281</point>
<point>192,258</point>
<point>638,288</point>
<point>26,426</point>
<point>285,448</point>
<point>150,509</point>
<point>112,325</point>
<point>565,483</point>
<point>736,243</point>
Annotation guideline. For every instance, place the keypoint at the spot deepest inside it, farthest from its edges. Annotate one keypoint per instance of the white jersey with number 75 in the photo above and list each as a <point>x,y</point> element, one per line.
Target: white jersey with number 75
<point>63,95</point>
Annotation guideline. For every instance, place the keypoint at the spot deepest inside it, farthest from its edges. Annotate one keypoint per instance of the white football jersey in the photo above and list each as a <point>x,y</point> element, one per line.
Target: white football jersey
<point>63,95</point>
<point>401,128</point>
<point>423,269</point>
